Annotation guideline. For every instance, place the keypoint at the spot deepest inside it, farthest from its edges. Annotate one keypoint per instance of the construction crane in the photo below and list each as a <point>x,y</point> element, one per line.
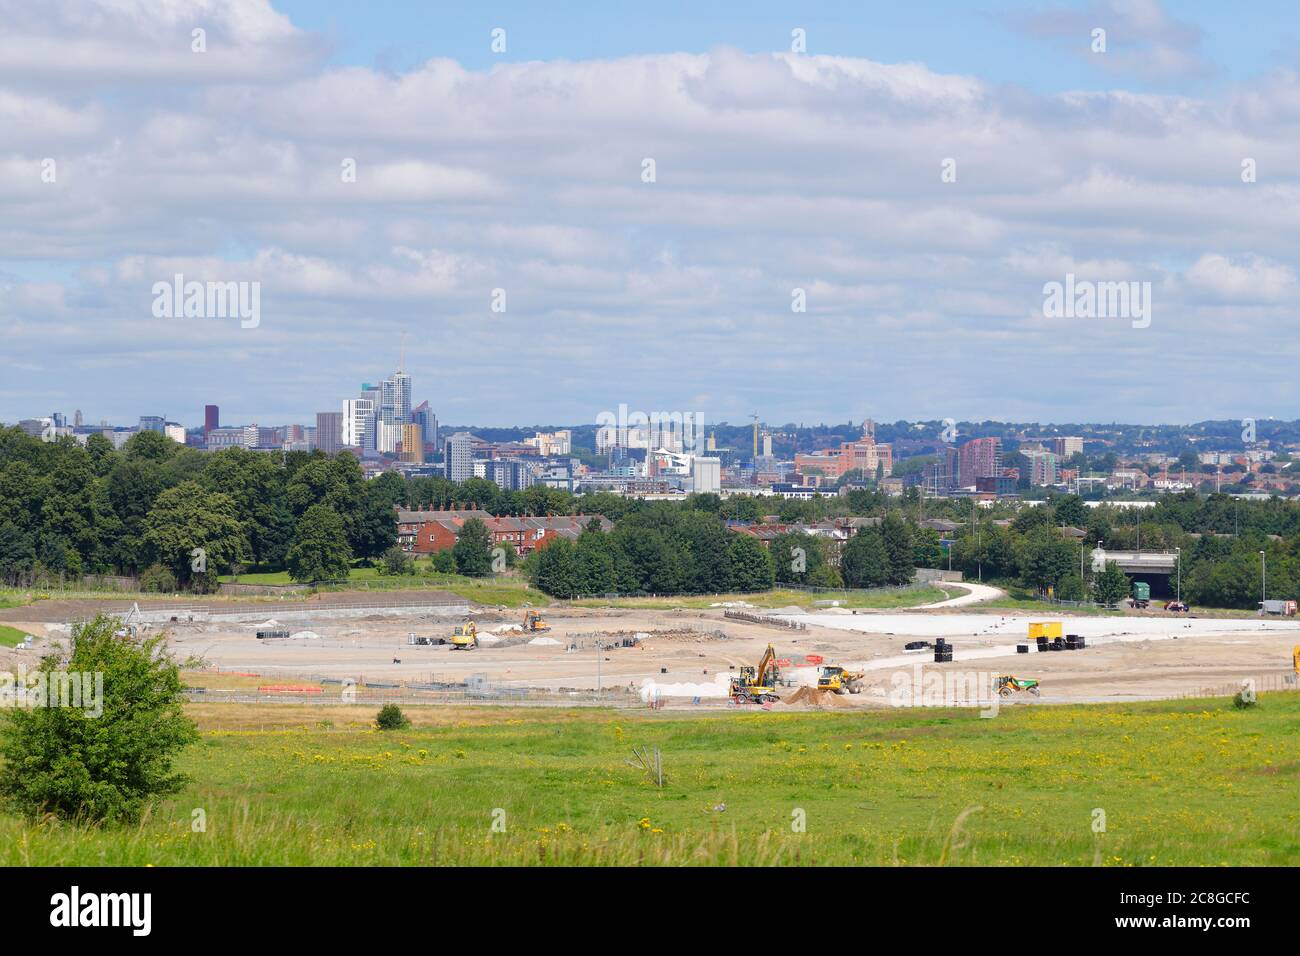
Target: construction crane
<point>757,685</point>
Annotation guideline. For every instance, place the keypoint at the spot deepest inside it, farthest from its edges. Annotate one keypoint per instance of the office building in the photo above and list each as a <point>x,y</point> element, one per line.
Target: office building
<point>329,432</point>
<point>706,475</point>
<point>211,418</point>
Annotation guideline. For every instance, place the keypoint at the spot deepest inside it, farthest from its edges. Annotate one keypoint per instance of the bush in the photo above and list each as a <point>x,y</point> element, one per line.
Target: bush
<point>157,579</point>
<point>390,717</point>
<point>396,562</point>
<point>99,761</point>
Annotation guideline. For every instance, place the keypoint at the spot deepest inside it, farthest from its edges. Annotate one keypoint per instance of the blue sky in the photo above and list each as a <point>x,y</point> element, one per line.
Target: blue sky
<point>819,176</point>
<point>982,39</point>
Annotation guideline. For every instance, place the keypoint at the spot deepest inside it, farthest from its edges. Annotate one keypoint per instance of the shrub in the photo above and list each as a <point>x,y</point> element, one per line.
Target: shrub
<point>390,717</point>
<point>157,578</point>
<point>396,562</point>
<point>75,763</point>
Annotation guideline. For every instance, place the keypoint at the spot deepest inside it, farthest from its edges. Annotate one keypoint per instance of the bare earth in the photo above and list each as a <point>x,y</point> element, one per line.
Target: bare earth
<point>688,654</point>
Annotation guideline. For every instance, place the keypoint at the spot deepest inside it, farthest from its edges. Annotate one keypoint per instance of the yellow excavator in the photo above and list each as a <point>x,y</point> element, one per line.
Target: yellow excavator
<point>835,678</point>
<point>757,685</point>
<point>464,637</point>
<point>533,623</point>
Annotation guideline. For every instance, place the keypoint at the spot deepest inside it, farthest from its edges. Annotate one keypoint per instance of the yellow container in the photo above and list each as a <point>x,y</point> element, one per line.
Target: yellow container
<point>1047,629</point>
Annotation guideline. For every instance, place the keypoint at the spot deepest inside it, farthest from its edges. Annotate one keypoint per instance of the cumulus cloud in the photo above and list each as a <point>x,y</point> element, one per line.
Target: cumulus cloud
<point>772,172</point>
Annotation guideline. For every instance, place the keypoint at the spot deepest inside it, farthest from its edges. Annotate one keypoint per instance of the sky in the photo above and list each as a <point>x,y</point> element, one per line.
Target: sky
<point>815,212</point>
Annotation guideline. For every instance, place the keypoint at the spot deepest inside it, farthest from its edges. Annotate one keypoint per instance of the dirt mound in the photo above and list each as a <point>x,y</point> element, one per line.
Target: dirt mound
<point>814,699</point>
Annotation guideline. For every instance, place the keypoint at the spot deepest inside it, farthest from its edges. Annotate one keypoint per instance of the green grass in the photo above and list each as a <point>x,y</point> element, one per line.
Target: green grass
<point>11,636</point>
<point>1180,783</point>
<point>779,597</point>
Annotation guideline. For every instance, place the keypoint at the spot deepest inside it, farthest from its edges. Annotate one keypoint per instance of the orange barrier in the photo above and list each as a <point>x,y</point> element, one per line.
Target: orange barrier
<point>288,689</point>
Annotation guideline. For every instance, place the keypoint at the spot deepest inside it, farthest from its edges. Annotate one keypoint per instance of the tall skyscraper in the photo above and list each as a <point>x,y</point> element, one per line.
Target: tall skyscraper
<point>458,457</point>
<point>395,399</point>
<point>211,418</point>
<point>329,432</point>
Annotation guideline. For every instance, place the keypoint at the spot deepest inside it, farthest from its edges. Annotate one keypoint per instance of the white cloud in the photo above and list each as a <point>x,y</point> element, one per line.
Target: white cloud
<point>773,172</point>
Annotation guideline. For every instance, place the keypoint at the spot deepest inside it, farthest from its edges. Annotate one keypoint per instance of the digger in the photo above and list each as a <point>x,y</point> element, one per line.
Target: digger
<point>836,679</point>
<point>757,685</point>
<point>533,623</point>
<point>464,637</point>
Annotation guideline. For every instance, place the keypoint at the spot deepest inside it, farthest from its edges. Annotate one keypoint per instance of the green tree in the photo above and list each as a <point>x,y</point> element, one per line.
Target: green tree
<point>473,548</point>
<point>1111,585</point>
<point>396,562</point>
<point>443,562</point>
<point>750,564</point>
<point>319,551</point>
<point>79,764</point>
<point>194,533</point>
<point>557,571</point>
<point>898,545</point>
<point>865,562</point>
<point>1046,558</point>
<point>1069,510</point>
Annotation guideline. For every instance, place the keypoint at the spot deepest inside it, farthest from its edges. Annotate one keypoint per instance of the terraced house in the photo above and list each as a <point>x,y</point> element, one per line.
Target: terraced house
<point>427,532</point>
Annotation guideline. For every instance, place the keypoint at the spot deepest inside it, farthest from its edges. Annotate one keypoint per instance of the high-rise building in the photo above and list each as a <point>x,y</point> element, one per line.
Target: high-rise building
<point>153,423</point>
<point>359,422</point>
<point>329,432</point>
<point>1044,468</point>
<point>413,444</point>
<point>423,416</point>
<point>211,418</point>
<point>706,475</point>
<point>978,458</point>
<point>395,399</point>
<point>458,457</point>
<point>76,419</point>
<point>552,444</point>
<point>1067,447</point>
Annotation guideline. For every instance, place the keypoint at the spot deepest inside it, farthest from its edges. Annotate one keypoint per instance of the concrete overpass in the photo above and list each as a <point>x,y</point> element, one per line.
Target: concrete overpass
<point>1136,562</point>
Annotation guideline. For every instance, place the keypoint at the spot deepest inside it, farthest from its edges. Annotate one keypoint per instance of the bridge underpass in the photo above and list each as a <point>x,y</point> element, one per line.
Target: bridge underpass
<point>1157,568</point>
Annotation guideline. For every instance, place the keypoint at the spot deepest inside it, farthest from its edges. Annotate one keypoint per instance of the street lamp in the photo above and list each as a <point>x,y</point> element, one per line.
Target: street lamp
<point>1179,553</point>
<point>1263,578</point>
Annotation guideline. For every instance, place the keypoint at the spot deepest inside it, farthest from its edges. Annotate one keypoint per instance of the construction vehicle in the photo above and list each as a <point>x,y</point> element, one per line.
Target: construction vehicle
<point>464,637</point>
<point>1141,595</point>
<point>1178,607</point>
<point>1006,685</point>
<point>757,685</point>
<point>533,623</point>
<point>836,679</point>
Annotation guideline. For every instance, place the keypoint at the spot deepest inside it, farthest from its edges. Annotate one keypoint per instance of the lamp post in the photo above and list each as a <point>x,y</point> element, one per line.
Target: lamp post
<point>1179,557</point>
<point>1263,578</point>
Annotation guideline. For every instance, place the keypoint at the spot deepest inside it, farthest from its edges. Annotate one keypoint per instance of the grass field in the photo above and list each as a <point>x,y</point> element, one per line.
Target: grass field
<point>11,636</point>
<point>1185,782</point>
<point>780,597</point>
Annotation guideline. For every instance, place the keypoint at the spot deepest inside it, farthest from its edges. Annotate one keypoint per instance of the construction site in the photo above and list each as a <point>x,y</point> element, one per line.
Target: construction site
<point>436,647</point>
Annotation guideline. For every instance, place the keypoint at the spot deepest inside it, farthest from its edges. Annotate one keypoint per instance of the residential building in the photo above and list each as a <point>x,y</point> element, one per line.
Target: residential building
<point>1065,448</point>
<point>458,457</point>
<point>329,432</point>
<point>552,444</point>
<point>978,458</point>
<point>413,444</point>
<point>427,532</point>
